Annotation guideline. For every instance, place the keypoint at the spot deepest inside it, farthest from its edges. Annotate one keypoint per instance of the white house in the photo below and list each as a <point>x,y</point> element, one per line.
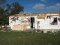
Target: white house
<point>43,21</point>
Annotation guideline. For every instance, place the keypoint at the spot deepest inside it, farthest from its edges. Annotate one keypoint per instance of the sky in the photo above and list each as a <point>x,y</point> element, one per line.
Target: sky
<point>39,6</point>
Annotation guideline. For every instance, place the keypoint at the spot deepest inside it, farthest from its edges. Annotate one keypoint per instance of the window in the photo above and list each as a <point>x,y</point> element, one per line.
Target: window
<point>54,21</point>
<point>38,22</point>
<point>58,19</point>
<point>48,17</point>
<point>38,26</point>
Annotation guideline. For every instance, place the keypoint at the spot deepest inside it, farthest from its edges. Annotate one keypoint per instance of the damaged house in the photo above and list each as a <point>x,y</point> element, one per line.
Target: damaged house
<point>43,21</point>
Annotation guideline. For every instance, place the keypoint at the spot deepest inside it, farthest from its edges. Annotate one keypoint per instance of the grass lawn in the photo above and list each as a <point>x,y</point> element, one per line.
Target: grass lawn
<point>29,38</point>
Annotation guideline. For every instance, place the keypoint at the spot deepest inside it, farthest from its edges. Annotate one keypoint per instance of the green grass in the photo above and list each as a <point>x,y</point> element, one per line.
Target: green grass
<point>29,38</point>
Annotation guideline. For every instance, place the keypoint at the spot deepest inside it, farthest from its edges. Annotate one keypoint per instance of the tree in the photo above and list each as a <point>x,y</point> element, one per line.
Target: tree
<point>14,8</point>
<point>1,15</point>
<point>5,12</point>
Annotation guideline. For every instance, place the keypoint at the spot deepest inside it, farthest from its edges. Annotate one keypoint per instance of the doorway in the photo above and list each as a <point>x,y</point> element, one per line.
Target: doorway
<point>32,22</point>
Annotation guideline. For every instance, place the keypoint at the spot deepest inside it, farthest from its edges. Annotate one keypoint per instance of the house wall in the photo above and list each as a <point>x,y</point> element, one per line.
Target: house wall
<point>46,23</point>
<point>42,21</point>
<point>20,24</point>
<point>23,23</point>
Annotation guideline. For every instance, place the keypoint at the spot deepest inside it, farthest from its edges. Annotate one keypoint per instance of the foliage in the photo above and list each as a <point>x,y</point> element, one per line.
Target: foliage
<point>3,17</point>
<point>14,8</point>
<point>10,9</point>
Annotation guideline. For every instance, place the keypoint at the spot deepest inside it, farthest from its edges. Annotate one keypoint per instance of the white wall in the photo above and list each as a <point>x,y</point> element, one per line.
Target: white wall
<point>20,19</point>
<point>46,24</point>
<point>43,23</point>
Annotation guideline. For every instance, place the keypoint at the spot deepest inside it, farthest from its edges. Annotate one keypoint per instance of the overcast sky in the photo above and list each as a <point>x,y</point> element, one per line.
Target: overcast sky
<point>38,6</point>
